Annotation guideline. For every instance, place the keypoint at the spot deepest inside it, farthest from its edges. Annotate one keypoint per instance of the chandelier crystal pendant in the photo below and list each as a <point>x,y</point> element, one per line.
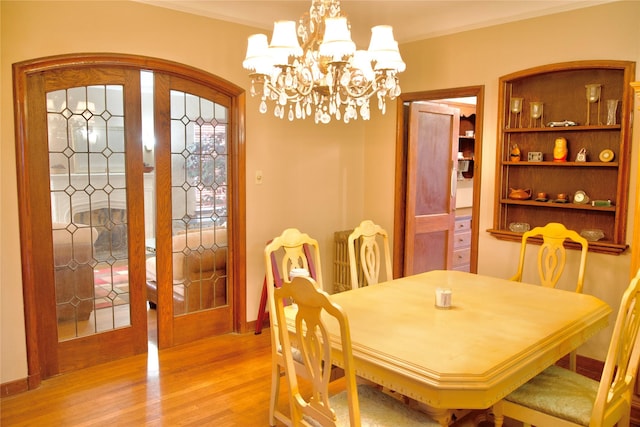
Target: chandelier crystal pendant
<point>313,68</point>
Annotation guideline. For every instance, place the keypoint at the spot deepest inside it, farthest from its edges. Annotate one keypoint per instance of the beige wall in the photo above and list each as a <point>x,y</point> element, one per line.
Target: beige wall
<point>315,177</point>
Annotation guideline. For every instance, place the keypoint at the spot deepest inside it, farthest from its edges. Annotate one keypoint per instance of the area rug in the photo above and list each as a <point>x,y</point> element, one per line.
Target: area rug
<point>111,286</point>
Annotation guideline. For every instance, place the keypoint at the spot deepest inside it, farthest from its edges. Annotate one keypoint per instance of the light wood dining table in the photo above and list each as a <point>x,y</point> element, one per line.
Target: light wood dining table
<point>497,335</point>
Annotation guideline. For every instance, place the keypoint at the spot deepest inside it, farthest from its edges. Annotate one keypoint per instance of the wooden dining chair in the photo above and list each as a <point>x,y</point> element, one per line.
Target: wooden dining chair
<point>291,250</point>
<point>552,254</point>
<point>552,259</point>
<point>355,406</point>
<point>560,397</point>
<point>368,235</point>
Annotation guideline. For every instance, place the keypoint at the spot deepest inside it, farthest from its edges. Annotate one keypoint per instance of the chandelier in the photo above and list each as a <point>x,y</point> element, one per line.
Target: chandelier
<point>314,68</point>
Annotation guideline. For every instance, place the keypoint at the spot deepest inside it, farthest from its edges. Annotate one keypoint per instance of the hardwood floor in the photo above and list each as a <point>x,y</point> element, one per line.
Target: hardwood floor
<point>221,381</point>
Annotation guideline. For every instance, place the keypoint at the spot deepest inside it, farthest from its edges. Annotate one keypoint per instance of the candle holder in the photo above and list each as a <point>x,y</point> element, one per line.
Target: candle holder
<point>593,97</point>
<point>536,113</point>
<point>612,108</point>
<point>515,108</point>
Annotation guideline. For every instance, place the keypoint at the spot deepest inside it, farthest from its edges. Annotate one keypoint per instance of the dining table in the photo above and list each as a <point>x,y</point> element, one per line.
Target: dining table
<point>495,336</point>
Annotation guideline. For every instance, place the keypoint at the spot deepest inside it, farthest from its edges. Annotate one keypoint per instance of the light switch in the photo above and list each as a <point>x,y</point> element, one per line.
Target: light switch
<point>258,177</point>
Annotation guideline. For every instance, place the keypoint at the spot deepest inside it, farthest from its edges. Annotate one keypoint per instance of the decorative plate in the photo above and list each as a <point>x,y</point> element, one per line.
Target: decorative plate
<point>606,155</point>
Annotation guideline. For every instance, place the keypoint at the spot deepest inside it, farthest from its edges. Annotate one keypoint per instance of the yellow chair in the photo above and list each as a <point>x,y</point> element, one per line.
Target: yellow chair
<point>358,404</point>
<point>552,254</point>
<point>552,258</point>
<point>368,258</point>
<point>560,397</point>
<point>289,251</point>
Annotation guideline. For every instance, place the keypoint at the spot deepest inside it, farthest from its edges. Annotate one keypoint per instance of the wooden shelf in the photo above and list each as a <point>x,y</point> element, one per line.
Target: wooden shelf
<point>562,128</point>
<point>565,164</point>
<point>554,205</point>
<point>601,246</point>
<point>561,89</point>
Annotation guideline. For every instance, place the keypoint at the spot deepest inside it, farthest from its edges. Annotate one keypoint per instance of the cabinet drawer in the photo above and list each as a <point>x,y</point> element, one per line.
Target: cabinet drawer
<point>461,257</point>
<point>461,240</point>
<point>463,223</point>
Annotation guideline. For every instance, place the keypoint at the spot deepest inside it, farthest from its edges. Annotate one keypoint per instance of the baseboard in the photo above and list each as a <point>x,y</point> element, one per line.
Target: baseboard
<point>14,387</point>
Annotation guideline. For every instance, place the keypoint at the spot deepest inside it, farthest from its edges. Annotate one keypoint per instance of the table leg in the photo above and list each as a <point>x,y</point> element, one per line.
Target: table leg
<point>442,416</point>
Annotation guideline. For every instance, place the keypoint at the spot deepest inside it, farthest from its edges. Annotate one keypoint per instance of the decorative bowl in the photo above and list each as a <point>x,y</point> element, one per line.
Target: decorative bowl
<point>519,193</point>
<point>592,235</point>
<point>519,227</point>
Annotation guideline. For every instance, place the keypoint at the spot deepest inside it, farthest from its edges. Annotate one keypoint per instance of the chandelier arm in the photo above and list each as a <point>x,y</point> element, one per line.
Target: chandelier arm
<point>367,93</point>
<point>294,97</point>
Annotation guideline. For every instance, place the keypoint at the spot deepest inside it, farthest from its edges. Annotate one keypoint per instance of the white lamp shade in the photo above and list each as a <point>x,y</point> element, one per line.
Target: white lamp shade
<point>284,42</point>
<point>388,59</point>
<point>382,38</point>
<point>257,58</point>
<point>337,42</point>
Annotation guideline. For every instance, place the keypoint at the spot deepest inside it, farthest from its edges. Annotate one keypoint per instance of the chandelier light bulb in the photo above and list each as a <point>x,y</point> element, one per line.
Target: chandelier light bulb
<point>312,68</point>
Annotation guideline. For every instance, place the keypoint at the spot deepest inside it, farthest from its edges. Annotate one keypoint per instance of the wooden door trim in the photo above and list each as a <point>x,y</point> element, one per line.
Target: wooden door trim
<point>27,217</point>
<point>400,187</point>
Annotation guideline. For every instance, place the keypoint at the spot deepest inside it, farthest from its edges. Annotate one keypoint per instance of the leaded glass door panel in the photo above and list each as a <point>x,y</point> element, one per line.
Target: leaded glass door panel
<point>89,209</point>
<point>194,147</point>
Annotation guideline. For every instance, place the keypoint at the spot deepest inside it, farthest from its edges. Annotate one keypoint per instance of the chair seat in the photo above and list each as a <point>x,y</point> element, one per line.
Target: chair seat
<point>380,409</point>
<point>559,392</point>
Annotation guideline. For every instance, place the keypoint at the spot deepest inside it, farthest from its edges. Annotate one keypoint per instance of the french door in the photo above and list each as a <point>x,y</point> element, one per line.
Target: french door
<point>82,188</point>
<point>195,298</point>
<point>83,160</point>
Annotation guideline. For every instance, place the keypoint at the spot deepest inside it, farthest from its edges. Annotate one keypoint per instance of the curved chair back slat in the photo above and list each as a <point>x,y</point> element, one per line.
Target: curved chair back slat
<point>369,255</point>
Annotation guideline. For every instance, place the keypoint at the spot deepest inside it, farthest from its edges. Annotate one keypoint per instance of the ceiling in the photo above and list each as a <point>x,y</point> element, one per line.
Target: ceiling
<point>411,19</point>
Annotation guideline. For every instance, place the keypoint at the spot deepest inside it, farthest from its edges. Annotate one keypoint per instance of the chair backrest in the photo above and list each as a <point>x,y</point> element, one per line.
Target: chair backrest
<point>314,344</point>
<point>615,392</point>
<point>368,258</point>
<point>291,250</point>
<point>552,254</point>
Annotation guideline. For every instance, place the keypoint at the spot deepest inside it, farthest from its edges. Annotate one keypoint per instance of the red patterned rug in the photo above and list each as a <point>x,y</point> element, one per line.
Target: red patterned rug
<point>111,286</point>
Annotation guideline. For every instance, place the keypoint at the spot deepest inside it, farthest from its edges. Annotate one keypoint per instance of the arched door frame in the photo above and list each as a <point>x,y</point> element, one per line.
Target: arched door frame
<point>237,203</point>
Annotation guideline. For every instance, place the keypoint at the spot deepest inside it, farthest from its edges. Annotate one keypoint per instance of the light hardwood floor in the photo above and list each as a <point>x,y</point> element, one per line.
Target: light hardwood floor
<point>221,381</point>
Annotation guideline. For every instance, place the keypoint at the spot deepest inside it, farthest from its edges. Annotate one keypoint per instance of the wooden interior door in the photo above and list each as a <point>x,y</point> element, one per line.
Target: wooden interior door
<point>192,127</point>
<point>431,187</point>
<point>84,230</point>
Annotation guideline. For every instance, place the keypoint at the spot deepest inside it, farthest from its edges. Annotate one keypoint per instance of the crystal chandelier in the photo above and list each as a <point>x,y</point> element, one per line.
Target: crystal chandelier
<point>313,67</point>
